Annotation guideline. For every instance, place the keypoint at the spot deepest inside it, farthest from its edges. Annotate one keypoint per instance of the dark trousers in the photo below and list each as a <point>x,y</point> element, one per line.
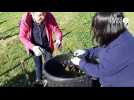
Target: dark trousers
<point>39,64</point>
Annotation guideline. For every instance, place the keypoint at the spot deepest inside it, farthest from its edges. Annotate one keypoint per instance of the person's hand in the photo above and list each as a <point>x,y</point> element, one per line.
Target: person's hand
<point>37,50</point>
<point>75,61</point>
<point>80,53</point>
<point>58,43</point>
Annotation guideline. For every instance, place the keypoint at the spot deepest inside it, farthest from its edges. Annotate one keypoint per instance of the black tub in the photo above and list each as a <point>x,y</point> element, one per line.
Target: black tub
<point>57,76</point>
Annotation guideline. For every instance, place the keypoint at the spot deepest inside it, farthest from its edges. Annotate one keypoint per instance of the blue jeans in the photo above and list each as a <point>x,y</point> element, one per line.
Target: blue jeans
<point>39,64</point>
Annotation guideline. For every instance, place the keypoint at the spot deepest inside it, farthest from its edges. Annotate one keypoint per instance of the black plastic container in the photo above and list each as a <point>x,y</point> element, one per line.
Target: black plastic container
<point>57,76</point>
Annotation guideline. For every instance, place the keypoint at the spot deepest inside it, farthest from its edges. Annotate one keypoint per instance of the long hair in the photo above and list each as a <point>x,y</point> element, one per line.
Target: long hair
<point>107,26</point>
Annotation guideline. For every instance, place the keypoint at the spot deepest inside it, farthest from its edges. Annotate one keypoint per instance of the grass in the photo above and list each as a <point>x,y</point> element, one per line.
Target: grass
<point>11,50</point>
<point>75,25</point>
<point>130,16</point>
<point>9,23</point>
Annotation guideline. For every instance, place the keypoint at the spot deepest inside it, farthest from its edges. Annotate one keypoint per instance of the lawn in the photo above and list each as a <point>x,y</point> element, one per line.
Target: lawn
<point>76,30</point>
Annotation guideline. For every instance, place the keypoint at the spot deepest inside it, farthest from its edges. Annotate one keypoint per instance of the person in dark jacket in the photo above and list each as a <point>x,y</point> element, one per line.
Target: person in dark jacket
<point>114,53</point>
<point>36,33</point>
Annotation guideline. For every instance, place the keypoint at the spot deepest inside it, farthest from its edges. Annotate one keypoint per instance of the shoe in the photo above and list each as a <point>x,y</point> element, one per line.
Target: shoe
<point>37,83</point>
<point>40,83</point>
<point>44,82</point>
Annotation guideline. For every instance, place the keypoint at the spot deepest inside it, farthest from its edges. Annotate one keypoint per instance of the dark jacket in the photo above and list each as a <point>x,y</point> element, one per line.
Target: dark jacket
<point>116,67</point>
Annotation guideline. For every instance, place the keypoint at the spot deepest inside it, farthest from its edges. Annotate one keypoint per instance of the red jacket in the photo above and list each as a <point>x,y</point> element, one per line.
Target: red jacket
<point>26,27</point>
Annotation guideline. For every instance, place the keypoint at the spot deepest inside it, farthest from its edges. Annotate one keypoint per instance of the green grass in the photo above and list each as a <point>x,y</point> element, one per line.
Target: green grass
<point>11,50</point>
<point>9,23</point>
<point>78,25</point>
<point>130,16</point>
<point>75,24</point>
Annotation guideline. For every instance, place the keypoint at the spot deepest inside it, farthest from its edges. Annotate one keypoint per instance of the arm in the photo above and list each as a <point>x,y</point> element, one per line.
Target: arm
<point>56,28</point>
<point>89,68</point>
<point>106,67</point>
<point>23,35</point>
<point>94,52</point>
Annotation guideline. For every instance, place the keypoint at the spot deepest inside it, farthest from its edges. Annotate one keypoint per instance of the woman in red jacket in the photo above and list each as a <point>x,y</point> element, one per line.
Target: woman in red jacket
<point>36,29</point>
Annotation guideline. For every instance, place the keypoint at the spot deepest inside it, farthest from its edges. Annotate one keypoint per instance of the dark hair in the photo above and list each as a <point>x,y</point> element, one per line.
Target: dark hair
<point>107,26</point>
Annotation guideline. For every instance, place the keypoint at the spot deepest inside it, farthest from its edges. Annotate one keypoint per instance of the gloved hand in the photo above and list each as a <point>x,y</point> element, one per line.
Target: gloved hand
<point>75,61</point>
<point>37,50</point>
<point>58,43</point>
<point>80,53</point>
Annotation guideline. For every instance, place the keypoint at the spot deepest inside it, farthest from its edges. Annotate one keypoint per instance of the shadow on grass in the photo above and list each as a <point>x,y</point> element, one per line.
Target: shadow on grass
<point>10,29</point>
<point>8,36</point>
<point>21,80</point>
<point>17,65</point>
<point>3,22</point>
